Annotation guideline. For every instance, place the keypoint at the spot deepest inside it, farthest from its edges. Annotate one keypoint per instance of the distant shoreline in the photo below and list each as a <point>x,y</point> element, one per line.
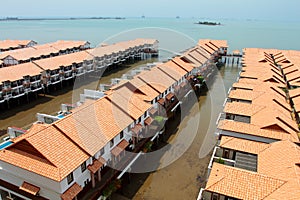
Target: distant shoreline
<point>61,18</point>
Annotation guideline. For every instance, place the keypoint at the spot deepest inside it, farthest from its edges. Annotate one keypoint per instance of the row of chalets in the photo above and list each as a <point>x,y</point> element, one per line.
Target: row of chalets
<point>258,153</point>
<point>70,156</point>
<point>38,67</point>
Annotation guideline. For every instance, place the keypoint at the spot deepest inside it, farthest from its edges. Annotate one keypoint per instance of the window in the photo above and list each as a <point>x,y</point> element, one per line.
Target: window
<point>70,178</point>
<point>121,135</point>
<point>102,151</point>
<point>215,197</point>
<point>145,115</point>
<point>83,166</point>
<point>112,143</point>
<point>139,120</point>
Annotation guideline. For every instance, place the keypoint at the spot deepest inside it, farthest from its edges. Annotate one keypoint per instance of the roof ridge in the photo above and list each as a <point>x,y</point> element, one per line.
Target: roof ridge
<point>284,182</point>
<point>56,127</point>
<point>43,156</point>
<point>231,138</point>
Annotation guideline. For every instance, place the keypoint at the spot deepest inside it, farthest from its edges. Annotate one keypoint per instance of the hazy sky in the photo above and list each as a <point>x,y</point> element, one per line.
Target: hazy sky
<point>245,9</point>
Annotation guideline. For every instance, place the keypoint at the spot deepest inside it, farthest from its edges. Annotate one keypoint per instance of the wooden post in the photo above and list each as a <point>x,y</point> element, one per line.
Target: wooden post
<point>99,175</point>
<point>93,179</point>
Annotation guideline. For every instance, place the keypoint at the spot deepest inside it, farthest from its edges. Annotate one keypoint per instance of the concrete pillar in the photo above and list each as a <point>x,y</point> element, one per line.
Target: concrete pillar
<point>93,179</point>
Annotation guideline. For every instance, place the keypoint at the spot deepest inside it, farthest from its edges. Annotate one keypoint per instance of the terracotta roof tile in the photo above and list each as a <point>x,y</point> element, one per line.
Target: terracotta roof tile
<point>72,192</point>
<point>95,166</point>
<point>156,79</point>
<point>137,128</point>
<point>148,121</point>
<point>130,99</point>
<point>27,187</point>
<point>17,72</point>
<point>242,145</point>
<point>39,50</point>
<point>294,93</point>
<point>63,60</point>
<point>243,109</point>
<point>119,148</point>
<point>186,66</point>
<point>6,44</point>
<point>251,129</point>
<point>241,184</point>
<point>150,92</point>
<point>48,153</point>
<point>82,129</point>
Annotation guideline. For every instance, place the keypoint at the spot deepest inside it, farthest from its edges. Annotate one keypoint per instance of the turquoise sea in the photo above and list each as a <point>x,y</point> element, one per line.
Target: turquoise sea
<point>239,33</point>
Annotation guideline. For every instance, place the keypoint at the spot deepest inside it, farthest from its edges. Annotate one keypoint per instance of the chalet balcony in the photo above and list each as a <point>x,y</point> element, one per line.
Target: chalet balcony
<point>233,158</point>
<point>170,103</point>
<point>182,90</point>
<point>207,195</point>
<point>238,118</point>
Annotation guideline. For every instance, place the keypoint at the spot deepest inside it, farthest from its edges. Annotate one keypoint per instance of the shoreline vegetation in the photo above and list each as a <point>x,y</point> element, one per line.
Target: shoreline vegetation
<point>209,23</point>
<point>59,18</point>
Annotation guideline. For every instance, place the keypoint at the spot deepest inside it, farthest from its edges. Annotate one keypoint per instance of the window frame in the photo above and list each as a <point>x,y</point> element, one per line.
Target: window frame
<point>83,167</point>
<point>70,178</point>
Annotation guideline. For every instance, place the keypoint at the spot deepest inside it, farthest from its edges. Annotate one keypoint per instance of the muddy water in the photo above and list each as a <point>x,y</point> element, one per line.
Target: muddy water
<point>24,115</point>
<point>183,178</point>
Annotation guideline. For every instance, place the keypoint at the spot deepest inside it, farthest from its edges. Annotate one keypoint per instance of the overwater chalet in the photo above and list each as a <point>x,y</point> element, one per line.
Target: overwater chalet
<point>9,45</point>
<point>42,51</point>
<point>65,67</point>
<point>254,170</point>
<point>19,80</point>
<point>74,61</point>
<point>257,153</point>
<point>72,155</point>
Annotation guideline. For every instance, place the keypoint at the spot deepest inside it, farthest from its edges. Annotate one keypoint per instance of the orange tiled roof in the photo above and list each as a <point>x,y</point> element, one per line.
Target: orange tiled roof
<point>294,93</point>
<point>145,88</point>
<point>280,161</point>
<point>172,70</point>
<point>27,53</point>
<point>87,135</point>
<point>277,164</point>
<point>241,184</point>
<point>243,109</point>
<point>72,192</point>
<point>41,50</point>
<point>119,148</point>
<point>130,99</point>
<point>186,66</point>
<point>95,166</point>
<point>36,127</point>
<point>244,94</point>
<point>63,60</point>
<point>156,79</point>
<point>47,153</point>
<point>6,44</point>
<point>242,145</point>
<point>27,187</point>
<point>256,130</point>
<point>17,72</point>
